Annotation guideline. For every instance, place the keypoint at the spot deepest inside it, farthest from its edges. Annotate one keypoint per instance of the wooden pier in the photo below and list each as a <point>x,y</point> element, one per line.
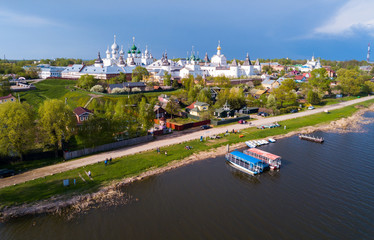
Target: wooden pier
<point>311,138</point>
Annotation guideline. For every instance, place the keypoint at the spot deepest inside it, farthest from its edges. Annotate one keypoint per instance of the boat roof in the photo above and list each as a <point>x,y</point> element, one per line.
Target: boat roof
<point>265,154</point>
<point>246,157</point>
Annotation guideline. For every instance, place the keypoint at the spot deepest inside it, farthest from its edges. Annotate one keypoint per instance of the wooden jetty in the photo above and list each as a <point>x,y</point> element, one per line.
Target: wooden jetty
<point>311,138</point>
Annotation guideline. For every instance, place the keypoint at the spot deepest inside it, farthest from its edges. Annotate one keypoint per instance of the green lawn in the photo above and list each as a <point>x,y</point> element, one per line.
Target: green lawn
<point>330,101</point>
<point>135,164</point>
<point>47,89</point>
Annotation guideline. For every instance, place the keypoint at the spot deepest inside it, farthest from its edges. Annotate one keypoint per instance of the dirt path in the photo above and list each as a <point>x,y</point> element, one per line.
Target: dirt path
<point>62,167</point>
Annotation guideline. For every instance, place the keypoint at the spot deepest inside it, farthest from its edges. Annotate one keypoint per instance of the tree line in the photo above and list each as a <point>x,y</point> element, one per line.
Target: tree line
<point>54,126</point>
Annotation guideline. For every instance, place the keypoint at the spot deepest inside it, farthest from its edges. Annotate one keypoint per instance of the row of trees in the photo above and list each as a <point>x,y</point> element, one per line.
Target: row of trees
<point>64,61</point>
<point>21,128</point>
<point>14,68</point>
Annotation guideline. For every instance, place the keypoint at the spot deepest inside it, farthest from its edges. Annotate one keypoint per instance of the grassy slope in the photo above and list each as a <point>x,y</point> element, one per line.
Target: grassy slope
<point>47,89</point>
<point>132,165</point>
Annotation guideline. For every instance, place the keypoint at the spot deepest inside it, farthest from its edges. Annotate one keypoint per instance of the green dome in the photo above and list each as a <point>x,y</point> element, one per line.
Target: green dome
<point>138,52</point>
<point>133,51</point>
<point>129,51</point>
<point>133,47</point>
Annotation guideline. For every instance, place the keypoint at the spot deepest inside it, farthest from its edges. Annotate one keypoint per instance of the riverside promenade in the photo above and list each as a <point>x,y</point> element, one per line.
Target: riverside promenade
<point>72,164</point>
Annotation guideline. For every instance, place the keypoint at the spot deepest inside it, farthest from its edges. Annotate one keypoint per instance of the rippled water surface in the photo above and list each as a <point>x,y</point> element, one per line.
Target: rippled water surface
<point>323,191</point>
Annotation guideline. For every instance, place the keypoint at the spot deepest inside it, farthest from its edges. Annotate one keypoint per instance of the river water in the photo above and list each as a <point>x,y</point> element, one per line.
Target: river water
<point>323,191</point>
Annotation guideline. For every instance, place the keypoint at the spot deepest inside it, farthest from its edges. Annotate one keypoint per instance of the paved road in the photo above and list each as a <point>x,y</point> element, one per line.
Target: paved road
<point>62,167</point>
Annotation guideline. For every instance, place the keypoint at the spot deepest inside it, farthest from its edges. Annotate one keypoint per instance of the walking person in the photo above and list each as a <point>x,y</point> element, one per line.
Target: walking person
<point>106,161</point>
<point>166,153</point>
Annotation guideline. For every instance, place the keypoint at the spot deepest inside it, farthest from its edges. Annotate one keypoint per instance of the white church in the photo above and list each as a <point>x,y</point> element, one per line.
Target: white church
<point>311,65</point>
<point>111,66</point>
<point>218,67</point>
<point>134,56</point>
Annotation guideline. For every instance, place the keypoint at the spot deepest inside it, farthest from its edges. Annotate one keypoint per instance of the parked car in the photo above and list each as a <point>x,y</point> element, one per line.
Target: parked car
<point>6,173</point>
<point>205,127</point>
<point>260,113</point>
<point>294,111</point>
<point>264,114</point>
<point>311,108</point>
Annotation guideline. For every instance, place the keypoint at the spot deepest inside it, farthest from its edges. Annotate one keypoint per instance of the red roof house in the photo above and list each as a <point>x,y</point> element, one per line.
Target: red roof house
<point>8,98</point>
<point>82,114</point>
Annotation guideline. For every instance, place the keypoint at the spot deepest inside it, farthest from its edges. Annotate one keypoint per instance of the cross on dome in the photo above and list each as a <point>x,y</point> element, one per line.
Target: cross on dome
<point>115,46</point>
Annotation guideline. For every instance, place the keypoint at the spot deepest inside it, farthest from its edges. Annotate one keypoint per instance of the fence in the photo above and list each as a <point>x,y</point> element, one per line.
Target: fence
<point>106,147</point>
<point>230,120</point>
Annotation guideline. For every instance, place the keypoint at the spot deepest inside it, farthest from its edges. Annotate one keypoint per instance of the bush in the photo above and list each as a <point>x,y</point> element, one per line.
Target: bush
<point>287,109</point>
<point>136,89</point>
<point>313,97</point>
<point>86,81</point>
<point>119,90</point>
<point>97,88</point>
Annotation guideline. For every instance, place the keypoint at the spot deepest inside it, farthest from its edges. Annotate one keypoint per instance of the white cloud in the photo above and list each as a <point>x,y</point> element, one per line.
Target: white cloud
<point>354,15</point>
<point>20,19</point>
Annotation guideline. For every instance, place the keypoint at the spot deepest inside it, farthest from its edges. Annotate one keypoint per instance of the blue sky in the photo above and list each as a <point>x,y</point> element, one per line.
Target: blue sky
<point>331,29</point>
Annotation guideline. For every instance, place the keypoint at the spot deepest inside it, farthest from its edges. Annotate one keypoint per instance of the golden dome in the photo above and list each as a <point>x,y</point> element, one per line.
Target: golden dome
<point>218,48</point>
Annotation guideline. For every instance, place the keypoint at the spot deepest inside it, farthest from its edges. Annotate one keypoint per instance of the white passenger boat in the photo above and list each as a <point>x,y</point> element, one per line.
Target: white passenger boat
<point>250,144</point>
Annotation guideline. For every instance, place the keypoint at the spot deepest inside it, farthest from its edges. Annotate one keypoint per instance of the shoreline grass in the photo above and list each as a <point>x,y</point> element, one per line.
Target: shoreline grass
<point>132,165</point>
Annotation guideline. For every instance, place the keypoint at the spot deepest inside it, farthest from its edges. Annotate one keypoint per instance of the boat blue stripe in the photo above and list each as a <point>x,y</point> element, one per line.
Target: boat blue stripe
<point>246,157</point>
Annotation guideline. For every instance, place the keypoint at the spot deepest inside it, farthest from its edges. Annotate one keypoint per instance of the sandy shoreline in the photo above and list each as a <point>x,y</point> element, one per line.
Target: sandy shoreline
<point>112,194</point>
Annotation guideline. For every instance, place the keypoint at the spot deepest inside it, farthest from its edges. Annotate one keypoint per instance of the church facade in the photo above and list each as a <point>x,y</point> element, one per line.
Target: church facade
<point>218,66</point>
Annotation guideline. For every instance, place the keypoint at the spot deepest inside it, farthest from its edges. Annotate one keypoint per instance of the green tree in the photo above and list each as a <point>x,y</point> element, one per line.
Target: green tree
<point>173,107</point>
<point>56,122</point>
<point>236,98</point>
<point>4,87</point>
<point>289,85</point>
<point>205,96</point>
<point>350,81</point>
<point>369,86</point>
<point>222,97</point>
<point>250,100</point>
<point>271,102</point>
<point>86,81</point>
<point>313,97</point>
<point>139,73</point>
<point>284,95</point>
<point>200,80</point>
<point>175,84</point>
<point>319,81</point>
<point>97,130</point>
<point>167,79</point>
<point>17,128</point>
<point>146,114</point>
<point>119,79</point>
<point>125,118</point>
<point>189,82</point>
<point>192,94</point>
<point>267,69</point>
<point>222,81</point>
